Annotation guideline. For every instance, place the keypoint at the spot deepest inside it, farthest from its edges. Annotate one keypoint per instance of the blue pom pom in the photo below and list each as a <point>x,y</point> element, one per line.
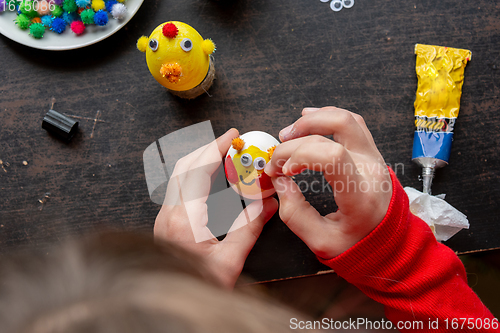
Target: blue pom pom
<point>69,17</point>
<point>58,25</point>
<point>82,3</point>
<point>109,4</point>
<point>101,18</point>
<point>47,20</point>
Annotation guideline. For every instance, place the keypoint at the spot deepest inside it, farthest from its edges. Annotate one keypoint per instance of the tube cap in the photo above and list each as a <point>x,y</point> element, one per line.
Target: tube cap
<point>59,125</point>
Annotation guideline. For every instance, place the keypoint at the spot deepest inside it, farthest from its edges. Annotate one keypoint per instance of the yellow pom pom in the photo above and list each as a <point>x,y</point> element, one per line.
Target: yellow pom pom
<point>142,44</point>
<point>238,143</point>
<point>98,5</point>
<point>208,46</point>
<point>120,0</point>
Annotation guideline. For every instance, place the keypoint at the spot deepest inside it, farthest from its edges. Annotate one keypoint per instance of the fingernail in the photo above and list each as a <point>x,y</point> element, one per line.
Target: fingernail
<point>231,129</point>
<point>309,110</point>
<point>267,169</point>
<point>286,133</point>
<point>284,168</point>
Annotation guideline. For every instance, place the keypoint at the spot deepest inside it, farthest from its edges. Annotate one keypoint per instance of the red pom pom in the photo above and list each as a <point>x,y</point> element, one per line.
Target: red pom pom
<point>170,30</point>
<point>77,27</point>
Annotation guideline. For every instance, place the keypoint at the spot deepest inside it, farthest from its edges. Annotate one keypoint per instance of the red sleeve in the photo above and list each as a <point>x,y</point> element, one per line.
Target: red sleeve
<point>401,265</point>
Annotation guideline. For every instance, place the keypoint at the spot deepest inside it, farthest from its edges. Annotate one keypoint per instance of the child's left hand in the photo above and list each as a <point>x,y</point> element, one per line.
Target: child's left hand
<point>180,217</point>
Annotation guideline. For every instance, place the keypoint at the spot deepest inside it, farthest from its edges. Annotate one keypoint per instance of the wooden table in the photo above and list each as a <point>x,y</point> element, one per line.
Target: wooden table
<point>273,58</point>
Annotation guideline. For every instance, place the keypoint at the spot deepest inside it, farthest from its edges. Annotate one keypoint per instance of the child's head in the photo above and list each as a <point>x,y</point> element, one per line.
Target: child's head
<point>121,284</point>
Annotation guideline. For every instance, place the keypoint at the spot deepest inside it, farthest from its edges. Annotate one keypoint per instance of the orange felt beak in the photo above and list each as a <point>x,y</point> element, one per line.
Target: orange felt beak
<point>172,72</point>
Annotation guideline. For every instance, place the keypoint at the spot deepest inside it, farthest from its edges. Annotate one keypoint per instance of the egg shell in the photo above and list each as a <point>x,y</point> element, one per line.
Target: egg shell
<point>263,141</point>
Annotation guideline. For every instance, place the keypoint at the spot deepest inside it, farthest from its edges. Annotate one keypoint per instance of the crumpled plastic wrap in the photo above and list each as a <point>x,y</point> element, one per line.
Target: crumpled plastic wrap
<point>444,220</point>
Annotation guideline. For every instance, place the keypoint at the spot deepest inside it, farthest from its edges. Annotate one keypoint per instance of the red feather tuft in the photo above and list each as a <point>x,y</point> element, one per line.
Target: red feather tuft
<point>231,173</point>
<point>170,30</point>
<point>264,182</point>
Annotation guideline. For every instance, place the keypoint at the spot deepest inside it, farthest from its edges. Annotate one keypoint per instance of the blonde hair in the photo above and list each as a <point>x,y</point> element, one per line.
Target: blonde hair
<point>122,283</point>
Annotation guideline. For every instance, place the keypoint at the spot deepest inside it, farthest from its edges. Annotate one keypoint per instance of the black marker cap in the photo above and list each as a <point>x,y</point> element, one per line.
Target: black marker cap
<point>60,125</point>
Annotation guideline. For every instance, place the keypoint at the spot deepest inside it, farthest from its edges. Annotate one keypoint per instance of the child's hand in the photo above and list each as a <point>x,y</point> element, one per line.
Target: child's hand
<point>183,217</point>
<point>351,164</point>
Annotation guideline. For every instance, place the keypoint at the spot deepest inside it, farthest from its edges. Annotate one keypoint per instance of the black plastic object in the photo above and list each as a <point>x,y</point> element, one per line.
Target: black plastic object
<point>60,125</point>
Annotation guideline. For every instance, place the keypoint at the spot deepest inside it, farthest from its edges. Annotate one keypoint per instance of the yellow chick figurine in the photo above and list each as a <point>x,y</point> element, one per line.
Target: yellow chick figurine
<point>179,58</point>
<point>245,163</point>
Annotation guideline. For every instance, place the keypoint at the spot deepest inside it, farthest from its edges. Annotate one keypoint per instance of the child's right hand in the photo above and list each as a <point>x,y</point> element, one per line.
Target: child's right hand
<point>352,165</point>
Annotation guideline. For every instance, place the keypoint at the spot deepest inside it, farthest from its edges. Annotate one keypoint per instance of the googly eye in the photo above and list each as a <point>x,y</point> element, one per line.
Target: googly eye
<point>259,163</point>
<point>186,44</point>
<point>153,45</point>
<point>246,160</point>
<point>336,5</point>
<point>348,3</point>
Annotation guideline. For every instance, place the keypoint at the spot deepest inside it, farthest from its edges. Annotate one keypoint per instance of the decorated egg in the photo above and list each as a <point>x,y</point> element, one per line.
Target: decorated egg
<point>245,163</point>
<point>179,58</point>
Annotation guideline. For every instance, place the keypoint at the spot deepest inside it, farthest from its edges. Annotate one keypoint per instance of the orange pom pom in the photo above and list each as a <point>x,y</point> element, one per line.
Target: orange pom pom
<point>172,72</point>
<point>238,143</point>
<point>270,151</point>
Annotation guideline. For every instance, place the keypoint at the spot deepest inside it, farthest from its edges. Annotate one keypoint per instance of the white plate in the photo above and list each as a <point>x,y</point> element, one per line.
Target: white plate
<point>67,40</point>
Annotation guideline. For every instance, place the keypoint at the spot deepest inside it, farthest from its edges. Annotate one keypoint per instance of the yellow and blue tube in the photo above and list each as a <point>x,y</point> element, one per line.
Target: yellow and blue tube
<point>440,72</point>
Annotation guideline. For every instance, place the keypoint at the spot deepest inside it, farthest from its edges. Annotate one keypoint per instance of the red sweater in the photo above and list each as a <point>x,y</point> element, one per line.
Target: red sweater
<point>419,280</point>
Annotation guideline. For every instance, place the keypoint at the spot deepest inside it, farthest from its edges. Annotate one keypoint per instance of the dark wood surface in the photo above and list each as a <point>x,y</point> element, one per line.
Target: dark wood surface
<point>273,58</point>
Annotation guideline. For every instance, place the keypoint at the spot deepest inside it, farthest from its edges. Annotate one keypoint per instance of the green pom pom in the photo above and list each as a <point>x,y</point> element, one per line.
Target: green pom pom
<point>23,21</point>
<point>88,16</point>
<point>37,30</point>
<point>70,6</point>
<point>58,11</point>
<point>27,7</point>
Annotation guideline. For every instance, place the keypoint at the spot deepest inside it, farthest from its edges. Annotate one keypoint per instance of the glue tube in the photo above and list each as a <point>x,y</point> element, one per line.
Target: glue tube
<point>440,72</point>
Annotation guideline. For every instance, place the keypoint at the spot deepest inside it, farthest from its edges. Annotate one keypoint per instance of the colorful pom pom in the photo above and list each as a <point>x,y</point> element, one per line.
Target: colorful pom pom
<point>69,6</point>
<point>78,27</point>
<point>208,46</point>
<point>119,11</point>
<point>70,17</point>
<point>98,5</point>
<point>37,15</point>
<point>82,3</point>
<point>238,143</point>
<point>43,8</point>
<point>170,30</point>
<point>101,18</point>
<point>27,7</point>
<point>58,25</point>
<point>270,151</point>
<point>47,20</point>
<point>23,21</point>
<point>110,4</point>
<point>57,11</point>
<point>37,30</point>
<point>87,16</point>
<point>142,43</point>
